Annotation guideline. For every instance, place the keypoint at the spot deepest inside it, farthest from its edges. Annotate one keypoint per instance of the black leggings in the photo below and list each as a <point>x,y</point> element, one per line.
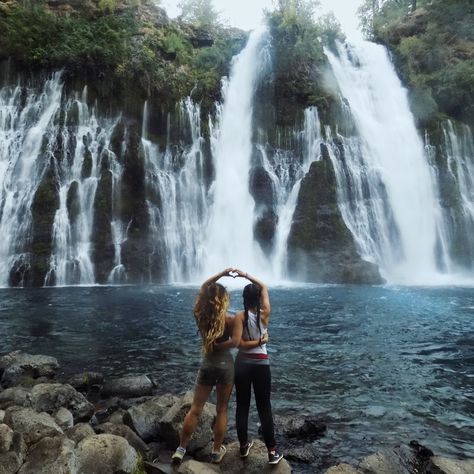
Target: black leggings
<point>260,377</point>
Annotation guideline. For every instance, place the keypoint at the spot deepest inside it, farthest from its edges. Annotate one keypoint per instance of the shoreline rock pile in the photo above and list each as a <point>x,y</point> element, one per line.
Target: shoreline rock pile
<point>92,426</point>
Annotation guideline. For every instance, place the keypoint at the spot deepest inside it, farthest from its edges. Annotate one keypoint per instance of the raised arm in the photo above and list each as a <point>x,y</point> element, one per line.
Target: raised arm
<point>216,277</point>
<point>265,307</point>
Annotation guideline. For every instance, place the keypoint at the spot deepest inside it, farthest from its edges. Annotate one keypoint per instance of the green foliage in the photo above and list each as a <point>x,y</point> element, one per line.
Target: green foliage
<point>433,49</point>
<point>200,13</point>
<point>36,37</point>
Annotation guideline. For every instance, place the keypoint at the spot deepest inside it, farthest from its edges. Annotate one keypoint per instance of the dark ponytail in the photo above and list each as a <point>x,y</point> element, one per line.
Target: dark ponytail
<point>251,295</point>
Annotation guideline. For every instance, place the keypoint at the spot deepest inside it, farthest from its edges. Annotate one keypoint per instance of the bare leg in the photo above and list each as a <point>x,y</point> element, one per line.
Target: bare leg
<point>201,394</point>
<point>220,426</point>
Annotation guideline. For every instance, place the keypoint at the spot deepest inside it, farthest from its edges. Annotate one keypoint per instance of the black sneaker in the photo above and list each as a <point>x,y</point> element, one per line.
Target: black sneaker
<point>274,457</point>
<point>245,449</point>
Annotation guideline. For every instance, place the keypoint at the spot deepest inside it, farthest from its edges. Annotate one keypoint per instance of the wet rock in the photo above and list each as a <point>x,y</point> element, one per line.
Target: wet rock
<point>145,418</point>
<point>307,454</point>
<point>256,462</point>
<point>64,418</point>
<point>51,397</point>
<point>128,387</point>
<point>15,396</point>
<point>320,246</point>
<point>83,382</point>
<point>51,456</point>
<point>343,469</point>
<point>172,423</point>
<point>32,425</point>
<point>73,203</point>
<point>79,432</point>
<point>18,366</point>
<point>440,465</point>
<point>125,432</point>
<point>105,454</point>
<point>302,428</point>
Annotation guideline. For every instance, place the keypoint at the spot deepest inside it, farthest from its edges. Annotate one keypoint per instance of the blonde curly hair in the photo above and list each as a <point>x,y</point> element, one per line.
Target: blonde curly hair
<point>210,309</point>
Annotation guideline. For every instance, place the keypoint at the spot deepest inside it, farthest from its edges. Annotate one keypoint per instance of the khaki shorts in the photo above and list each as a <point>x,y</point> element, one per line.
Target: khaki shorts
<point>216,369</point>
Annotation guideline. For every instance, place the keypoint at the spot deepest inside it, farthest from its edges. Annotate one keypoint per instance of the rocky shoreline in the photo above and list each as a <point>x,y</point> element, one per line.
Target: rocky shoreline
<point>88,425</point>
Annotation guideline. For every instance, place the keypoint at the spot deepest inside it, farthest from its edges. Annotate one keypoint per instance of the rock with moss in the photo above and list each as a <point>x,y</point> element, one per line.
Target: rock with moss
<point>320,246</point>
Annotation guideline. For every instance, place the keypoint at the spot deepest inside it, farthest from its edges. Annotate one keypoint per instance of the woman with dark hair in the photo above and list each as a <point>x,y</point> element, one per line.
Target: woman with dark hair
<point>252,367</point>
<point>219,332</point>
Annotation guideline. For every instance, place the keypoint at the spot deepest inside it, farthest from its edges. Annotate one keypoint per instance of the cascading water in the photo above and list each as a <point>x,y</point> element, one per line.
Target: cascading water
<point>178,202</point>
<point>230,239</point>
<point>24,128</point>
<point>387,193</point>
<point>286,173</point>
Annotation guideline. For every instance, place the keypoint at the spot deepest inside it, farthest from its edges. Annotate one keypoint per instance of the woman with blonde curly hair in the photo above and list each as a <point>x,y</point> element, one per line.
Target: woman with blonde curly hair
<point>219,333</point>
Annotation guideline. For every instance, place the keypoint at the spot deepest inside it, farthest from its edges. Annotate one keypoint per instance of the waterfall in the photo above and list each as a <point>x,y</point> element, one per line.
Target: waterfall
<point>178,197</point>
<point>387,193</point>
<point>84,146</point>
<point>286,173</point>
<point>229,239</point>
<point>25,125</point>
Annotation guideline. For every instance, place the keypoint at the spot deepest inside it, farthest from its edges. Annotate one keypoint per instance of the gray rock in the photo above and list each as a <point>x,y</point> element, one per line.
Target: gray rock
<point>2,415</point>
<point>128,387</point>
<point>18,367</point>
<point>195,467</point>
<point>117,417</point>
<point>52,396</point>
<point>79,432</point>
<point>172,423</point>
<point>145,418</point>
<point>305,428</point>
<point>384,462</point>
<point>15,396</point>
<point>6,438</point>
<point>343,469</point>
<point>9,463</point>
<point>83,382</point>
<point>105,454</point>
<point>440,465</point>
<point>255,463</point>
<point>32,425</point>
<point>64,418</point>
<point>125,432</point>
<point>51,456</point>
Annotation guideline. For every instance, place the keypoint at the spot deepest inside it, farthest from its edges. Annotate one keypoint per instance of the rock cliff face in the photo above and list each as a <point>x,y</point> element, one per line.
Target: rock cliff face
<point>320,246</point>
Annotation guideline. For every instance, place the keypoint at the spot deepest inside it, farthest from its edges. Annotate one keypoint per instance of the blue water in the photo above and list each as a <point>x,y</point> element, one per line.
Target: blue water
<point>382,365</point>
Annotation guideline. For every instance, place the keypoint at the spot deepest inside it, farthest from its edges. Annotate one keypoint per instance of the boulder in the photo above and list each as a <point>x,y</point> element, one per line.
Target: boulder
<point>32,425</point>
<point>440,465</point>
<point>386,461</point>
<point>51,456</point>
<point>172,423</point>
<point>125,432</point>
<point>15,396</point>
<point>10,463</point>
<point>2,415</point>
<point>255,463</point>
<point>304,428</point>
<point>64,418</point>
<point>83,382</point>
<point>128,387</point>
<point>195,467</point>
<point>18,367</point>
<point>145,418</point>
<point>6,438</point>
<point>50,397</point>
<point>343,469</point>
<point>79,432</point>
<point>117,417</point>
<point>105,454</point>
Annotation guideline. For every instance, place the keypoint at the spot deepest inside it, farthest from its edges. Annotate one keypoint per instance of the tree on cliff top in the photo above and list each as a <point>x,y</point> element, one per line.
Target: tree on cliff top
<point>200,13</point>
